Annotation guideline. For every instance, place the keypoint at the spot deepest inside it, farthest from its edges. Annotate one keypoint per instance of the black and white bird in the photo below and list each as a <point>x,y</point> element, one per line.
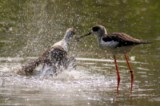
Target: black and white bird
<point>54,57</point>
<point>115,43</point>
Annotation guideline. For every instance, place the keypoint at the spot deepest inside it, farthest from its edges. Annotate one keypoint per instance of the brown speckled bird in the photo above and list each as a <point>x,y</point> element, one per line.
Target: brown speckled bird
<point>55,56</point>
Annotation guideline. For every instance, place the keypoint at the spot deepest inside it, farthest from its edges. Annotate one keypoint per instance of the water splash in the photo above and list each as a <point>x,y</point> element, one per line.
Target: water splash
<point>69,76</point>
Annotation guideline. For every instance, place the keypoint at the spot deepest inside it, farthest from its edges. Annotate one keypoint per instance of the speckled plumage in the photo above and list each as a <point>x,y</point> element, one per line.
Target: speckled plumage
<point>55,56</point>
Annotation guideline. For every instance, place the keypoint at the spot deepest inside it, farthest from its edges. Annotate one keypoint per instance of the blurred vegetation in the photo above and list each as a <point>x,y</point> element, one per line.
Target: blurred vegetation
<point>28,26</point>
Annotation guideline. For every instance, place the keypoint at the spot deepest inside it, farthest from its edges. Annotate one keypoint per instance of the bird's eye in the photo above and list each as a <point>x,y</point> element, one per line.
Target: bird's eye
<point>95,28</point>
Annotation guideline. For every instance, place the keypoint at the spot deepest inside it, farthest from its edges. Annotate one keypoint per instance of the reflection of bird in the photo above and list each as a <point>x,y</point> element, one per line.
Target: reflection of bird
<point>55,56</point>
<point>115,43</point>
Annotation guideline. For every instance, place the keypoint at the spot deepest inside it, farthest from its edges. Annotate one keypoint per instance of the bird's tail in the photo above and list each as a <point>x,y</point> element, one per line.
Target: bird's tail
<point>29,67</point>
<point>145,42</point>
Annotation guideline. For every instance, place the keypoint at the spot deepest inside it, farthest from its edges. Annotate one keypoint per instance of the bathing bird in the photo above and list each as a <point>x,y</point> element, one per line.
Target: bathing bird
<point>55,56</point>
<point>115,43</point>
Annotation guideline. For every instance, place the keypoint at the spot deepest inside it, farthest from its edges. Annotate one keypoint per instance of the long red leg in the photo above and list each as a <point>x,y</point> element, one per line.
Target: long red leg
<point>131,72</point>
<point>118,75</point>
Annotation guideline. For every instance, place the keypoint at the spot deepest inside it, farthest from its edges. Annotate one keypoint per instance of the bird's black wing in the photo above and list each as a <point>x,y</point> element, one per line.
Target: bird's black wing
<point>122,39</point>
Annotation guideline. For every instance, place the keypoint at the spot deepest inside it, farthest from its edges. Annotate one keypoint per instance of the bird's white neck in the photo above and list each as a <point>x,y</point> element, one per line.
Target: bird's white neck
<point>99,38</point>
<point>65,44</point>
<point>66,41</point>
<point>102,33</point>
<point>67,38</point>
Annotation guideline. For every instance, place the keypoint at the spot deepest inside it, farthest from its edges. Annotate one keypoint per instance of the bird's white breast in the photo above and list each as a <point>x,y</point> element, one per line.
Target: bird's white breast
<point>110,44</point>
<point>63,44</point>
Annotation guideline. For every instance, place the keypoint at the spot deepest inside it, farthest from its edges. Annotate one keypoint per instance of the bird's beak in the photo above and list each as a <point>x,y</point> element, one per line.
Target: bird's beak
<point>78,38</point>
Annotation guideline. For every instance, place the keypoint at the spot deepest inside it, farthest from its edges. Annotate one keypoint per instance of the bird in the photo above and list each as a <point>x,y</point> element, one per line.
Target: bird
<point>55,56</point>
<point>115,43</point>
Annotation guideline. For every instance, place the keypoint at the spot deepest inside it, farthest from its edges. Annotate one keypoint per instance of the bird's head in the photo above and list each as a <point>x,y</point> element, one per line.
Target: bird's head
<point>70,32</point>
<point>97,30</point>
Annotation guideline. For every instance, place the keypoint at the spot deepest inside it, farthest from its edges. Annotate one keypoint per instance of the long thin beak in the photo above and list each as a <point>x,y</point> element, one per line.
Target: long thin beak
<point>83,36</point>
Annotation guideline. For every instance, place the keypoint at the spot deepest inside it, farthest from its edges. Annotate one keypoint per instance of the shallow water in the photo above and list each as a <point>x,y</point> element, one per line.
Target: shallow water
<point>92,83</point>
<point>27,27</point>
<point>72,87</point>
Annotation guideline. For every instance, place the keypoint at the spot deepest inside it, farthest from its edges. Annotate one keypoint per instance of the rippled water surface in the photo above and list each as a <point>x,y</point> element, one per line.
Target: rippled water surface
<point>27,27</point>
